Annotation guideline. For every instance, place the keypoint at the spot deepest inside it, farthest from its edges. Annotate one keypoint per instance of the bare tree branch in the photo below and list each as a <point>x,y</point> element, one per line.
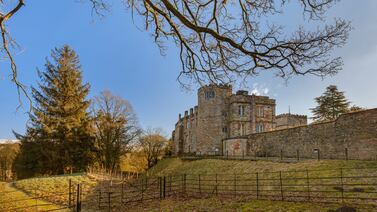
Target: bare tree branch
<point>221,41</point>
<point>6,41</point>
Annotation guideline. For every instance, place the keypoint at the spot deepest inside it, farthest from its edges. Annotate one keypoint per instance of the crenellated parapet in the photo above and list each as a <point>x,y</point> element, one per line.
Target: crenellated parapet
<point>291,115</point>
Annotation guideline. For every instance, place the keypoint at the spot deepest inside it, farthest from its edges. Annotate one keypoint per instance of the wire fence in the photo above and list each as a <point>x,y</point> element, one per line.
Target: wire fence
<point>343,185</point>
<point>284,155</point>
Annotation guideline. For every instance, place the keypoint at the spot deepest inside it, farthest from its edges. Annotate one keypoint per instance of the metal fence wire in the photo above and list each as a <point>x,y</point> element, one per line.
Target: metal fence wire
<point>343,185</point>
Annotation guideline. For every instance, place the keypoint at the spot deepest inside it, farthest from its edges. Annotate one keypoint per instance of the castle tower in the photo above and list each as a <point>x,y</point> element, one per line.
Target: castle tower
<point>212,118</point>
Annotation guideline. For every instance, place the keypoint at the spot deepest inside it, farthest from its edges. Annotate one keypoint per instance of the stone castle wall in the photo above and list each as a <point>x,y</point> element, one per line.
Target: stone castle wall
<point>355,131</point>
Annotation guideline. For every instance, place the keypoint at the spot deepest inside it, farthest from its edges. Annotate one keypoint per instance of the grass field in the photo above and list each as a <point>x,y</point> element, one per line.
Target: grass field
<point>54,191</point>
<point>12,199</point>
<point>173,166</point>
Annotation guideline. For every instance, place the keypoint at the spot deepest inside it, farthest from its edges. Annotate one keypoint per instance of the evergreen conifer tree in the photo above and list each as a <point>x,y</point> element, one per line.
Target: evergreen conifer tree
<point>59,138</point>
<point>330,105</point>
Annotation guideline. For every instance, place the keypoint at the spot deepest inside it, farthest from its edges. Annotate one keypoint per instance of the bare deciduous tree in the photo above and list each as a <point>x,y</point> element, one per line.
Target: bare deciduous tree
<point>7,10</point>
<point>116,128</point>
<point>220,41</point>
<point>152,144</point>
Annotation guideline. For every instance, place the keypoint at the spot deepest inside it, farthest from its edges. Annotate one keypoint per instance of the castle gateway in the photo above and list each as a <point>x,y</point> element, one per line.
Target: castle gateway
<point>221,115</point>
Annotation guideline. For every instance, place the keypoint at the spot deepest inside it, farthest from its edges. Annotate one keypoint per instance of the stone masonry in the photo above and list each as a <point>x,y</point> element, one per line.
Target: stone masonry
<point>352,135</point>
<point>221,115</point>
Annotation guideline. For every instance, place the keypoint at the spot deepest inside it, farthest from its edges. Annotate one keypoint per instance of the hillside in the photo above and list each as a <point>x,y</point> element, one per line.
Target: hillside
<point>172,166</point>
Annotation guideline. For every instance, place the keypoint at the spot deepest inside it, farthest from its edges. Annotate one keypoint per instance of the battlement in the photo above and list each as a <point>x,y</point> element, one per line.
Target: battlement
<point>220,86</point>
<point>291,115</point>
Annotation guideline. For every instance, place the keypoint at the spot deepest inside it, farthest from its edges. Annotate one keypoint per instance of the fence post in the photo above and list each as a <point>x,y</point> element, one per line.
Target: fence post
<point>99,199</point>
<point>200,189</point>
<point>69,192</point>
<point>160,186</point>
<point>109,199</point>
<point>319,154</point>
<point>122,193</point>
<point>341,182</point>
<point>184,181</point>
<point>298,155</point>
<point>257,185</point>
<point>78,201</point>
<point>281,155</point>
<point>141,189</point>
<point>216,186</point>
<point>170,182</point>
<point>164,188</point>
<point>346,153</point>
<point>281,187</point>
<point>307,183</point>
<point>36,199</point>
<point>235,185</point>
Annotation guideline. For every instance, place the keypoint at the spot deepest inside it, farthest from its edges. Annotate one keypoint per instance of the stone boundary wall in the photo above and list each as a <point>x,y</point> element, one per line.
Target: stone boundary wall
<point>355,131</point>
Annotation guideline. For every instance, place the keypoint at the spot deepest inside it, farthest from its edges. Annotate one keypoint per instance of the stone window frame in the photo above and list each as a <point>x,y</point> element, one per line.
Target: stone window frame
<point>241,110</point>
<point>260,111</point>
<point>259,128</point>
<point>209,94</point>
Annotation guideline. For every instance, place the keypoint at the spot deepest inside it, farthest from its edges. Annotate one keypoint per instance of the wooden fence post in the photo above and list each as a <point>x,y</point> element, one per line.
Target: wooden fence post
<point>78,200</point>
<point>216,186</point>
<point>281,155</point>
<point>257,185</point>
<point>307,183</point>
<point>170,182</point>
<point>319,154</point>
<point>200,189</point>
<point>281,186</point>
<point>184,181</point>
<point>36,199</point>
<point>160,186</point>
<point>298,155</point>
<point>109,199</point>
<point>341,182</point>
<point>235,185</point>
<point>122,193</point>
<point>164,188</point>
<point>99,199</point>
<point>69,192</point>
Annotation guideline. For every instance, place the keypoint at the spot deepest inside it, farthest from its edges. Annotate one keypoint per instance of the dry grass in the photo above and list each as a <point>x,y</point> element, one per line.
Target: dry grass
<point>174,166</point>
<point>12,199</point>
<point>216,204</point>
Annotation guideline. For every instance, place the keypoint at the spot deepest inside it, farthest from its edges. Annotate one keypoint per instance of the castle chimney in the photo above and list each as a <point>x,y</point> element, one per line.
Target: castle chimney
<point>191,111</point>
<point>179,117</point>
<point>186,113</point>
<point>196,109</point>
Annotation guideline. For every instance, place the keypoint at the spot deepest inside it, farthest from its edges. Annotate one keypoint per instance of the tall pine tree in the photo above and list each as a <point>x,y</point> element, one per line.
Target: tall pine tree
<point>330,105</point>
<point>59,138</point>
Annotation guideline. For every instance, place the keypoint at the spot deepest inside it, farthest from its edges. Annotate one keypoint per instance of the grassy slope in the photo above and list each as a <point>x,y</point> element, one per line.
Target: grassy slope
<point>9,197</point>
<point>173,166</point>
<point>215,204</point>
<point>53,189</point>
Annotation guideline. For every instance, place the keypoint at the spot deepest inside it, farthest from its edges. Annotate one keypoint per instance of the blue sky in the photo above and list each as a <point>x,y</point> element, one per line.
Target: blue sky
<point>117,56</point>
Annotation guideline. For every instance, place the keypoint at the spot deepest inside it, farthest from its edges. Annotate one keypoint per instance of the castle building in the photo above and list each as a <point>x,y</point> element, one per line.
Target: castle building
<point>221,114</point>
